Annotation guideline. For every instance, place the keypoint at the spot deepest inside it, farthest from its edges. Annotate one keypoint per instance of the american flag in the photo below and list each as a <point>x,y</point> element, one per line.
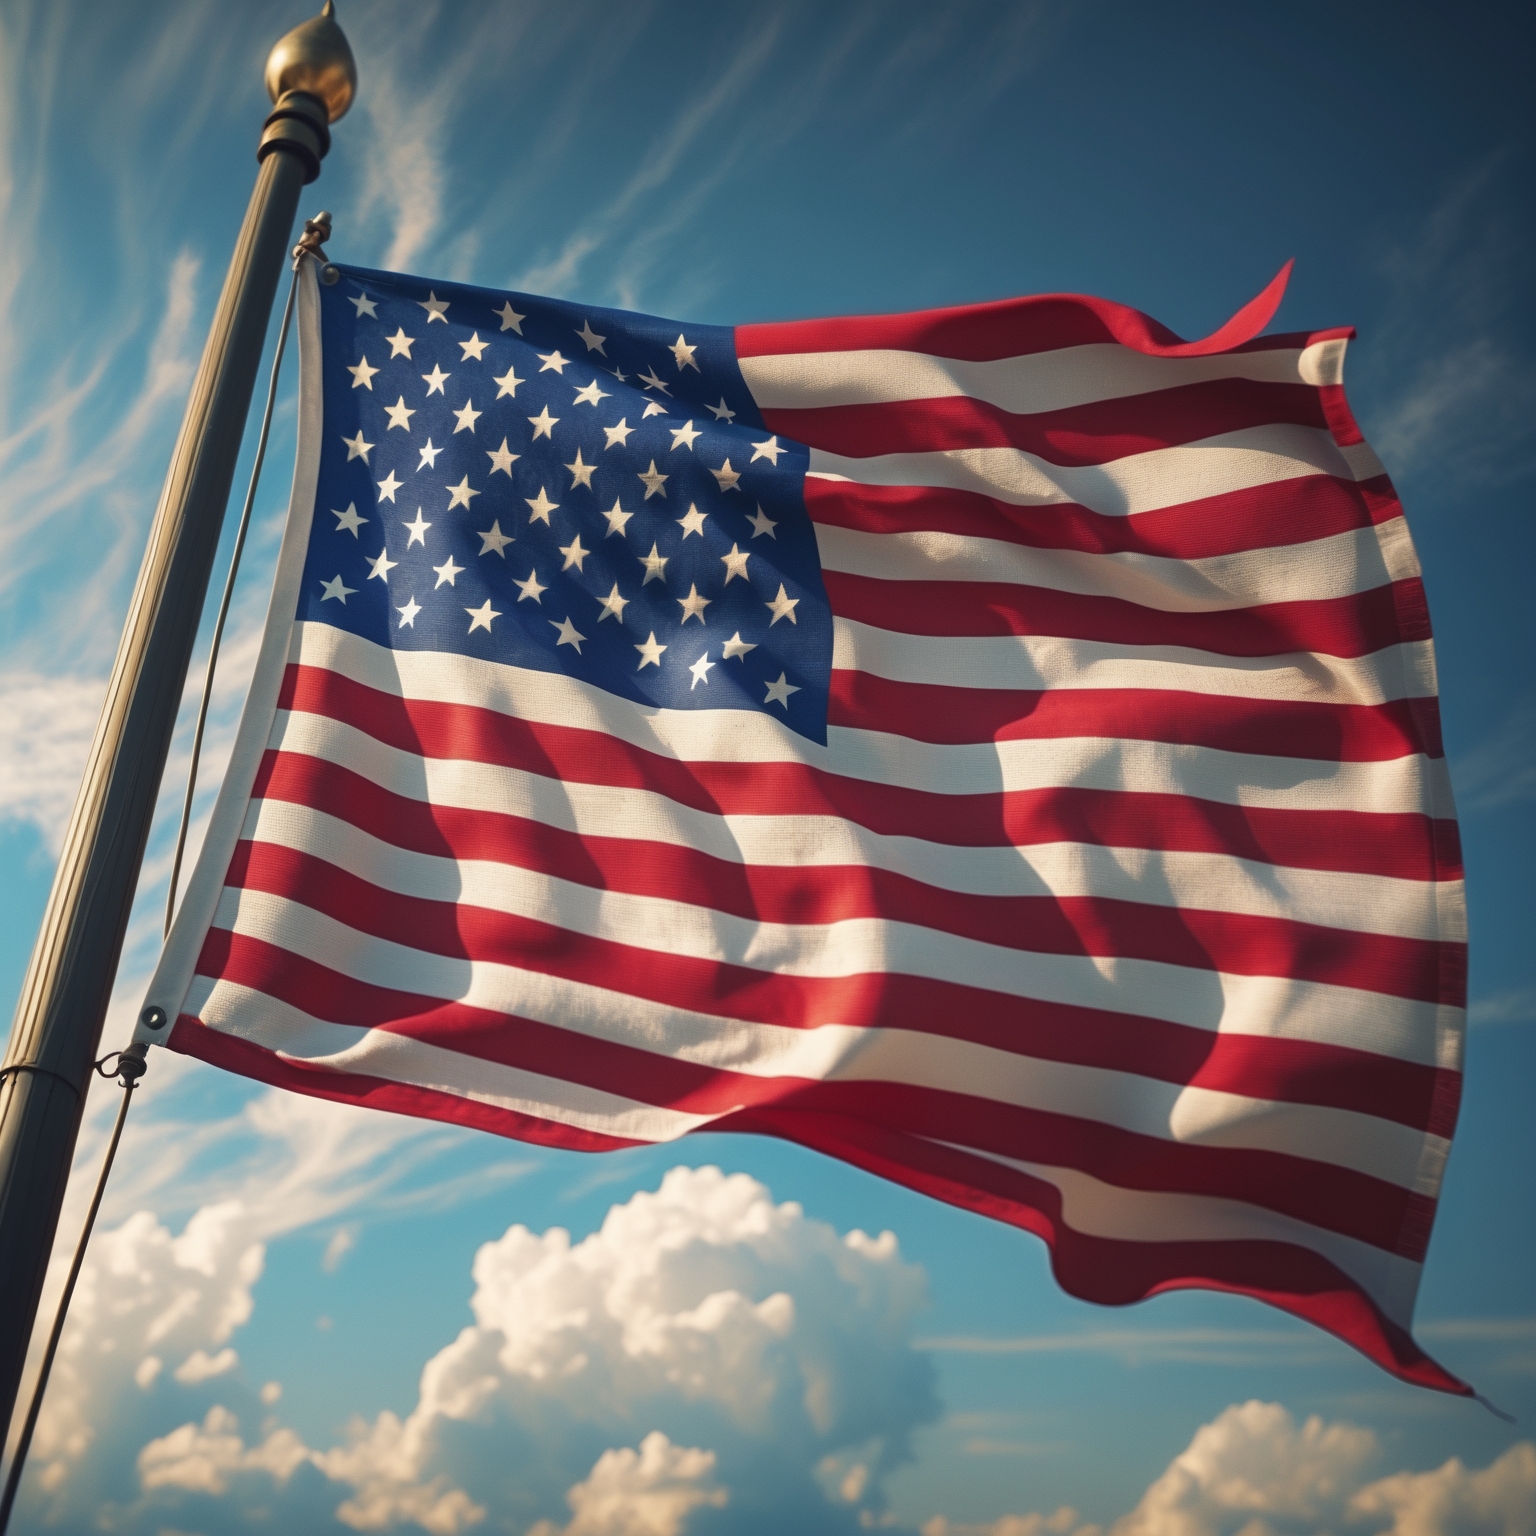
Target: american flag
<point>995,746</point>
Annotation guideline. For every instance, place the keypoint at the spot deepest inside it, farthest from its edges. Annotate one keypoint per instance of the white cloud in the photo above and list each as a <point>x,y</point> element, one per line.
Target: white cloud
<point>1063,1523</point>
<point>1254,1471</point>
<point>703,1308</point>
<point>649,1492</point>
<point>1254,1462</point>
<point>1500,1500</point>
<point>202,1458</point>
<point>705,1344</point>
<point>1514,1005</point>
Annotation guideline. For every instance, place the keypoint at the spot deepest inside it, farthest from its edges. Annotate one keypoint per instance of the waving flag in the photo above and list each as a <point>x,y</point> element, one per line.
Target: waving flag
<point>995,746</point>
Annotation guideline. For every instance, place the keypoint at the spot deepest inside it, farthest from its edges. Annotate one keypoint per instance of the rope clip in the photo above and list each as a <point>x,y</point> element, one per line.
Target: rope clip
<point>316,232</point>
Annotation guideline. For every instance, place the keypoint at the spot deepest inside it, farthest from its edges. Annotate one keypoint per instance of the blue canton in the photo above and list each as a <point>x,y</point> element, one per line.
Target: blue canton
<point>578,490</point>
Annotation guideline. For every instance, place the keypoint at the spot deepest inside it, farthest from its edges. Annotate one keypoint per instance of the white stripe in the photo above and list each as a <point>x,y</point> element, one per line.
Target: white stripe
<point>1202,999</point>
<point>1038,381</point>
<point>1097,1209</point>
<point>1216,882</point>
<point>1047,661</point>
<point>1138,482</point>
<point>276,1026</point>
<point>832,1052</point>
<point>1357,560</point>
<point>1411,783</point>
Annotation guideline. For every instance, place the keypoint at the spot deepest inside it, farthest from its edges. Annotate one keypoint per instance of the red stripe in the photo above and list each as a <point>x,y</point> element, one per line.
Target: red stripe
<point>192,1037</point>
<point>1323,1194</point>
<point>1269,516</point>
<point>1294,1071</point>
<point>1351,733</point>
<point>1092,1268</point>
<point>1110,1271</point>
<point>1019,328</point>
<point>1093,433</point>
<point>1403,845</point>
<point>1234,943</point>
<point>1358,625</point>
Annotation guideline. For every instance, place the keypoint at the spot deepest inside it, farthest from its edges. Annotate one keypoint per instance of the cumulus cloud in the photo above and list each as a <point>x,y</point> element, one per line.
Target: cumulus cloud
<point>706,1349</point>
<point>1255,1471</point>
<point>649,1492</point>
<point>705,1310</point>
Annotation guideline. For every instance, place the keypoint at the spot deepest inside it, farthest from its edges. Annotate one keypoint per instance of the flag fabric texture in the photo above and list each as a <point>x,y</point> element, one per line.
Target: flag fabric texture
<point>996,746</point>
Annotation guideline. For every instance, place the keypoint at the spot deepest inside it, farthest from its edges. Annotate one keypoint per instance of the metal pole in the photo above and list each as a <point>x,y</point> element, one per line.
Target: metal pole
<point>63,1002</point>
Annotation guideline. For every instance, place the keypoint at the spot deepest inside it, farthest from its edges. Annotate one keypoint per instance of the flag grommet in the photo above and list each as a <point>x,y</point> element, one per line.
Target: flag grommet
<point>153,1018</point>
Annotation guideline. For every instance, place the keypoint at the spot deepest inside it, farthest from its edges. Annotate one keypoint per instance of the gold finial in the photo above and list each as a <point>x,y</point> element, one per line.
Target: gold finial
<point>315,57</point>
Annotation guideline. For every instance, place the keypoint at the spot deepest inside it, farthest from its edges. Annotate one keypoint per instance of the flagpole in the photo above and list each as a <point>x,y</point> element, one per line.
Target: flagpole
<point>311,78</point>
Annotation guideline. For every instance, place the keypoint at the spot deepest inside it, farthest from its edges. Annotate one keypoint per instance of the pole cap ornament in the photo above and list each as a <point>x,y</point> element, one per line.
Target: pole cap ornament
<point>317,59</point>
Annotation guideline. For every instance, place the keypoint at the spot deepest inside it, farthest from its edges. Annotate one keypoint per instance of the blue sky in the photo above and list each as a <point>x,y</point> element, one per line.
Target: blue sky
<point>293,1268</point>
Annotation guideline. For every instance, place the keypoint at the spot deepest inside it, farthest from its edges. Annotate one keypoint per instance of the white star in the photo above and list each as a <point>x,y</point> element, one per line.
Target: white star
<point>574,554</point>
<point>399,414</point>
<point>653,408</point>
<point>782,607</point>
<point>736,647</point>
<point>357,448</point>
<point>581,474</point>
<point>618,437</point>
<point>530,588</point>
<point>655,567</point>
<point>436,379</point>
<point>509,382</point>
<point>650,381</point>
<point>762,523</point>
<point>684,354</point>
<point>459,494</point>
<point>726,477</point>
<point>593,340</point>
<point>447,572</point>
<point>349,519</point>
<point>467,417</point>
<point>493,538</point>
<point>364,306</point>
<point>388,486</point>
<point>417,530</point>
<point>617,517</point>
<point>400,344</point>
<point>382,566</point>
<point>701,670</point>
<point>692,521</point>
<point>735,564</point>
<point>362,375</point>
<point>553,360</point>
<point>510,319</point>
<point>723,412</point>
<point>650,653</point>
<point>569,635</point>
<point>502,459</point>
<point>408,614</point>
<point>541,506</point>
<point>693,605</point>
<point>436,308</point>
<point>543,425</point>
<point>683,436</point>
<point>614,606</point>
<point>334,588</point>
<point>428,457</point>
<point>779,692</point>
<point>623,378</point>
<point>472,348</point>
<point>769,450</point>
<point>591,394</point>
<point>480,618</point>
<point>653,481</point>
